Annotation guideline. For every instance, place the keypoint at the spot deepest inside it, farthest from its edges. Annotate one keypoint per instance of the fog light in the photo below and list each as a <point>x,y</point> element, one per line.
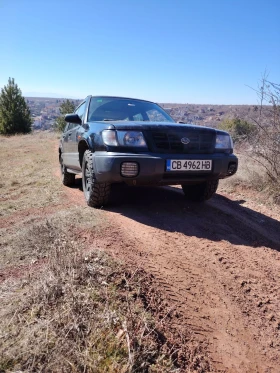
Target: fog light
<point>129,169</point>
<point>232,168</point>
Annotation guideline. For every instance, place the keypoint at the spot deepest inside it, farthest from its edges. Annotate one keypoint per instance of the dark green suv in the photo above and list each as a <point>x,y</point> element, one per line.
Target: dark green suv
<point>124,140</point>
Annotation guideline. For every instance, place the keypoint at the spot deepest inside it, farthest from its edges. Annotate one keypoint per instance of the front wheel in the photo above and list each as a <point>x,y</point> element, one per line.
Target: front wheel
<point>96,194</point>
<point>201,192</point>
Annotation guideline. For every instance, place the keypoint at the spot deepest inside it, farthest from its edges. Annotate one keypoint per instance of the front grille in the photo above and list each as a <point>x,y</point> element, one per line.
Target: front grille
<point>169,141</point>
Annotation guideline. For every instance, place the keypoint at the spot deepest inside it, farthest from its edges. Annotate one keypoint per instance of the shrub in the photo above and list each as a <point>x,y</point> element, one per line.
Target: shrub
<point>238,128</point>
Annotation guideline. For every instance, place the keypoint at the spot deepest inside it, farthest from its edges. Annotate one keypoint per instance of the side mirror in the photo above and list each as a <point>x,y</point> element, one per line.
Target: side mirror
<point>72,118</point>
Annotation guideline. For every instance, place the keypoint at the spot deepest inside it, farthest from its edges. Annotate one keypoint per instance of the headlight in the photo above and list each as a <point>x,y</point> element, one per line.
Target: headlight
<point>223,142</point>
<point>109,138</point>
<point>131,138</point>
<point>124,138</point>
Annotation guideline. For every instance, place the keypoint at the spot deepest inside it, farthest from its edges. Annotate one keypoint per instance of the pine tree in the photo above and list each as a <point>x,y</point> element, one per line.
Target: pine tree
<point>67,107</point>
<point>14,112</point>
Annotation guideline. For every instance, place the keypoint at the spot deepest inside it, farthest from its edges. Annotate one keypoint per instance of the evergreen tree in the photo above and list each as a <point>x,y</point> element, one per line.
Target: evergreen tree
<point>14,111</point>
<point>67,107</point>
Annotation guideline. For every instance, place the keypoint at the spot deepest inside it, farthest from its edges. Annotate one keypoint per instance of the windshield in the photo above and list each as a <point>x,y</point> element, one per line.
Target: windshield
<point>120,109</point>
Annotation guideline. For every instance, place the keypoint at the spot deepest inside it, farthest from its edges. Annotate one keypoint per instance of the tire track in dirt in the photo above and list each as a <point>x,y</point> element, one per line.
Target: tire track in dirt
<point>217,263</point>
<point>221,278</point>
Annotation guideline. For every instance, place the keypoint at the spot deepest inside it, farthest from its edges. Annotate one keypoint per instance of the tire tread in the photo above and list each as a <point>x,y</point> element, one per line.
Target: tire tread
<point>100,192</point>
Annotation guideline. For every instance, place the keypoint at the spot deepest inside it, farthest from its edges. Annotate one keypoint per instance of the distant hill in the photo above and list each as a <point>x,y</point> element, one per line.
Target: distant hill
<point>210,115</point>
<point>46,109</point>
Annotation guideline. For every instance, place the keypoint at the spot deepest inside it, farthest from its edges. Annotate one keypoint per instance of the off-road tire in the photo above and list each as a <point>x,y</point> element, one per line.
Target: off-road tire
<point>67,178</point>
<point>96,194</point>
<point>201,192</point>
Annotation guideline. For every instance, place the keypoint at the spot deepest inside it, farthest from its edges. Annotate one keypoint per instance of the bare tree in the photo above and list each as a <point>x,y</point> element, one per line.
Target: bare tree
<point>266,141</point>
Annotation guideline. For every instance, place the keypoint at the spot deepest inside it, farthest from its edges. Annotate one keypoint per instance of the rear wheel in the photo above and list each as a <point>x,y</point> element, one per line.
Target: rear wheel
<point>201,192</point>
<point>96,194</point>
<point>67,178</point>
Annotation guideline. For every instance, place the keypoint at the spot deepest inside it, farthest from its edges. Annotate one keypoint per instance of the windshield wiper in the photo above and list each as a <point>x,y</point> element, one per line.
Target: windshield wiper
<point>112,120</point>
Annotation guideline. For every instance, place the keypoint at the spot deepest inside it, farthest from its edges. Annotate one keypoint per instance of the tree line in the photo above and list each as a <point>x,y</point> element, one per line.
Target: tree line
<point>15,116</point>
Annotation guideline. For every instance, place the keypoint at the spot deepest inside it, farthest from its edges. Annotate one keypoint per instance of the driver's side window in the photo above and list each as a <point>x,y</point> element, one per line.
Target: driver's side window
<point>69,126</point>
<point>81,110</point>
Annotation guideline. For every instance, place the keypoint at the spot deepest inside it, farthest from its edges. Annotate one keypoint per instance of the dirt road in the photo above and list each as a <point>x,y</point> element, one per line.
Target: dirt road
<point>217,263</point>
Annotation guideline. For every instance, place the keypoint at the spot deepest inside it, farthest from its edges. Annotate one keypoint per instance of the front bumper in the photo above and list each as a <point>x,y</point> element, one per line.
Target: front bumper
<point>152,168</point>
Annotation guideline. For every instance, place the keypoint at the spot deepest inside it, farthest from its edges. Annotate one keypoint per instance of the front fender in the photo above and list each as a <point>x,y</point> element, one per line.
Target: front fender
<point>84,144</point>
<point>86,141</point>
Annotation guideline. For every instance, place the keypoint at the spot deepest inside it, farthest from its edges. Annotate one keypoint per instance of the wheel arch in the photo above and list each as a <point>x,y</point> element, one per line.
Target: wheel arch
<point>82,147</point>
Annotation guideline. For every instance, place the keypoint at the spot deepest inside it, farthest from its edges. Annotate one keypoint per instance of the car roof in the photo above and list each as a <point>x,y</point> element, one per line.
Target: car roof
<point>124,98</point>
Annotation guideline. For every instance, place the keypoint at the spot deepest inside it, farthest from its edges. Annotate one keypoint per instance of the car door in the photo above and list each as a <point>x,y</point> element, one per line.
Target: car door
<point>66,151</point>
<point>73,139</point>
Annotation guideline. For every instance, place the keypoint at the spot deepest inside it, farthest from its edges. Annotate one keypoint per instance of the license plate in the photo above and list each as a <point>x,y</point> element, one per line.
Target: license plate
<point>188,165</point>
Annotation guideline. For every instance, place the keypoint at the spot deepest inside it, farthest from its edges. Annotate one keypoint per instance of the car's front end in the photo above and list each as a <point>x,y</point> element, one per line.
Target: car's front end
<point>162,153</point>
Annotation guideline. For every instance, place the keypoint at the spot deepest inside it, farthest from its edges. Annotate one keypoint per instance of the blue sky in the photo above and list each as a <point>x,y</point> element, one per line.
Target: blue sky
<point>180,51</point>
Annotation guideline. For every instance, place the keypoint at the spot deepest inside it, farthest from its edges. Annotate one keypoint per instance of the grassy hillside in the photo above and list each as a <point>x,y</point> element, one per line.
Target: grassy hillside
<point>65,305</point>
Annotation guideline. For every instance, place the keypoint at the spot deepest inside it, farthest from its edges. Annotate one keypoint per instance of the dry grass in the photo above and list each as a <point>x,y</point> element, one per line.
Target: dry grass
<point>66,307</point>
<point>79,313</point>
<point>26,241</point>
<point>251,176</point>
<point>27,178</point>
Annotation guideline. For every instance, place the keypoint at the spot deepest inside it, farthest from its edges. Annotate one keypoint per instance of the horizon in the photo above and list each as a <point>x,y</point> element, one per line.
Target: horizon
<point>171,103</point>
<point>173,52</point>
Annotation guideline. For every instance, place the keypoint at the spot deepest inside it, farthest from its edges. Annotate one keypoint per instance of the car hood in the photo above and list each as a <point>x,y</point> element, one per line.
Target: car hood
<point>144,126</point>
